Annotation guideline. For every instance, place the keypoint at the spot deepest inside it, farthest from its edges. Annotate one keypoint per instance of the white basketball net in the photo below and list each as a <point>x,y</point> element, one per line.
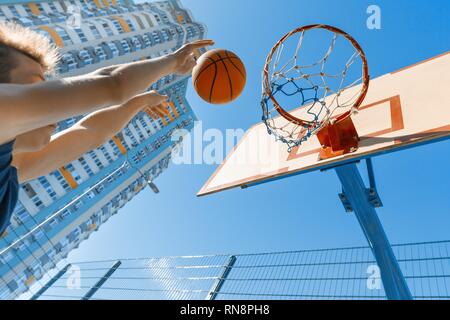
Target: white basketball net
<point>318,94</point>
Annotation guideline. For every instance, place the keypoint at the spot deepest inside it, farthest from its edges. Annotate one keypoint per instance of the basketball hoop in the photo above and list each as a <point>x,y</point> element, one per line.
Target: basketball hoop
<point>327,98</point>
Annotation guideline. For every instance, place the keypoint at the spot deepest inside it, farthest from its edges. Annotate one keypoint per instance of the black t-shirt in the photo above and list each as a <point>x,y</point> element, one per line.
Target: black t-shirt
<point>9,185</point>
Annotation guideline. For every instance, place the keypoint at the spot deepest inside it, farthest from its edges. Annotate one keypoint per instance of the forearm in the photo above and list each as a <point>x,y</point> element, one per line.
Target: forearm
<point>114,85</point>
<point>136,77</point>
<point>68,145</point>
<point>103,124</point>
<point>28,107</point>
<point>39,105</point>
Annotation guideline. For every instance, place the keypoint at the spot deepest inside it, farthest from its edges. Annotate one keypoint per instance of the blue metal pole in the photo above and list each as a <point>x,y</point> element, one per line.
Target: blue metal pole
<point>102,280</point>
<point>212,294</point>
<point>355,190</point>
<point>48,285</point>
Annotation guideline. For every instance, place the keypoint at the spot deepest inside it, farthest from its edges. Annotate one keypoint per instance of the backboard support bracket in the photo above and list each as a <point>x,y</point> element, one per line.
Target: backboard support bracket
<point>372,192</point>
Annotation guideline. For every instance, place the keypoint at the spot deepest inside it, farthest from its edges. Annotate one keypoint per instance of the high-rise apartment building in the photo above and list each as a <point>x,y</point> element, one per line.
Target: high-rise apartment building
<point>58,211</point>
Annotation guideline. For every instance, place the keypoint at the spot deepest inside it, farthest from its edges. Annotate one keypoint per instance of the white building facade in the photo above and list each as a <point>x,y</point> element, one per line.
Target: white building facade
<point>92,34</point>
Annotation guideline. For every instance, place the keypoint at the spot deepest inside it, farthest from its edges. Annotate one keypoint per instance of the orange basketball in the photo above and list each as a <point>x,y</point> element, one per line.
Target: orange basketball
<point>219,76</point>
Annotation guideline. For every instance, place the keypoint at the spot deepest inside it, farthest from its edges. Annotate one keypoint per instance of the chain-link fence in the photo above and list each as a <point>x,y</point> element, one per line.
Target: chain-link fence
<point>339,273</point>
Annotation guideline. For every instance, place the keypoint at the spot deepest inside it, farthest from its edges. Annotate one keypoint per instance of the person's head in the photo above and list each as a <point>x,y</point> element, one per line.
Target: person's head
<point>25,55</point>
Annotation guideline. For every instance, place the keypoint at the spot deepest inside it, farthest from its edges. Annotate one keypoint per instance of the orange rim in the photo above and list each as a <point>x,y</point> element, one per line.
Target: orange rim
<point>365,77</point>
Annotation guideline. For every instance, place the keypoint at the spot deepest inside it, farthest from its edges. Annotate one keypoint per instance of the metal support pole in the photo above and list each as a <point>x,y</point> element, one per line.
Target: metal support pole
<point>102,280</point>
<point>393,281</point>
<point>212,294</point>
<point>42,290</point>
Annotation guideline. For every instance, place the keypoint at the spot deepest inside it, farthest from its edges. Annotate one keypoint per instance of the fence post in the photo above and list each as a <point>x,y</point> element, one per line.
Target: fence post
<point>41,291</point>
<point>102,280</point>
<point>212,294</point>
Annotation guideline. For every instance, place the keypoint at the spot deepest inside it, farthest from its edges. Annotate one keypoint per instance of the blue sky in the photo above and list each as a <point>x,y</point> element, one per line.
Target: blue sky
<point>301,212</point>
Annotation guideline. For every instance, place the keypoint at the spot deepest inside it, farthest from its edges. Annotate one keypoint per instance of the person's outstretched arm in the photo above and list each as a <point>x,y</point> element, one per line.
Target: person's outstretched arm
<point>24,108</point>
<point>88,134</point>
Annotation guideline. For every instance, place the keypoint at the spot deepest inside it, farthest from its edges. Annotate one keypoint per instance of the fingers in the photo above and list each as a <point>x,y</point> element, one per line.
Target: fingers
<point>200,44</point>
<point>153,98</point>
<point>157,94</point>
<point>188,65</point>
<point>156,105</point>
<point>204,42</point>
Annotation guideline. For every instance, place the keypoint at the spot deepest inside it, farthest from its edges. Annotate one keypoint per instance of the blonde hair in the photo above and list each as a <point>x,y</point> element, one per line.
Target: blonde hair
<point>26,41</point>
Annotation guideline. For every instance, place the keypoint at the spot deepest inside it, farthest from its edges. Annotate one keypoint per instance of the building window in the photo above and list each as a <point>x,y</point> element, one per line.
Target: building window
<point>118,26</point>
<point>107,29</point>
<point>61,180</point>
<point>20,214</point>
<point>80,34</point>
<point>96,160</point>
<point>95,32</point>
<point>106,154</point>
<point>74,173</point>
<point>14,11</point>
<point>131,25</point>
<point>44,182</point>
<point>64,36</point>
<point>29,190</point>
<point>139,21</point>
<point>148,19</point>
<point>114,147</point>
<point>86,166</point>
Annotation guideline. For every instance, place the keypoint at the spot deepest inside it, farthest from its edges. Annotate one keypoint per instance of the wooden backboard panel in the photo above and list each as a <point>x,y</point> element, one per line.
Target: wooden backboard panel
<point>402,109</point>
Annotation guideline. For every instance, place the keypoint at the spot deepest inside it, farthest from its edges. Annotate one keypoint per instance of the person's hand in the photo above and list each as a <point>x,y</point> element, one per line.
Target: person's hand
<point>185,58</point>
<point>154,104</point>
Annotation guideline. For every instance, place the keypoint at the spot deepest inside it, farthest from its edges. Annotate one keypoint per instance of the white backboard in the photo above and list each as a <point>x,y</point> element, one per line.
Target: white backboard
<point>402,109</point>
